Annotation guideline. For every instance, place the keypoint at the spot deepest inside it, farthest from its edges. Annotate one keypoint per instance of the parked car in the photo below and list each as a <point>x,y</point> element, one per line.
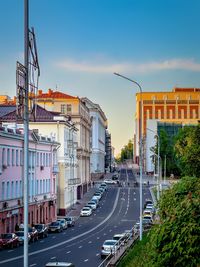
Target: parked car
<point>121,238</point>
<point>96,199</point>
<point>104,185</point>
<point>148,201</point>
<point>109,181</point>
<point>9,240</point>
<point>102,189</point>
<point>20,235</point>
<point>109,247</point>
<point>92,204</point>
<point>147,212</point>
<point>115,176</point>
<point>33,233</point>
<point>86,211</point>
<point>98,195</point>
<point>56,227</point>
<point>63,223</point>
<point>59,264</point>
<point>149,217</point>
<point>70,221</point>
<point>42,230</point>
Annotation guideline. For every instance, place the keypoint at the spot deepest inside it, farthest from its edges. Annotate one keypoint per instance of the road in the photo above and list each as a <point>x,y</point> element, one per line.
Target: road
<point>118,211</point>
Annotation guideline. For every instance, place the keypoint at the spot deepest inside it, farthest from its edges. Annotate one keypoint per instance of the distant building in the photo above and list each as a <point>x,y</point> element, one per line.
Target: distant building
<point>108,156</point>
<point>99,125</point>
<point>181,106</point>
<point>43,169</point>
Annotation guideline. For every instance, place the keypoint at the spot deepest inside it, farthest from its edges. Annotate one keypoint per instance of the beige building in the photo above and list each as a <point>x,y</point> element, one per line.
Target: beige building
<point>78,113</point>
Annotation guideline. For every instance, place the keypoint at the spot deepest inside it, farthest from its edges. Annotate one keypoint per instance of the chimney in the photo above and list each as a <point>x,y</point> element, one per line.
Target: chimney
<point>50,92</point>
<point>40,92</point>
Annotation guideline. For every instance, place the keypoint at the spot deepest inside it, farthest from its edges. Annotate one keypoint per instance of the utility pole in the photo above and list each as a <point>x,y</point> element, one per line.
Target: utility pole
<point>26,129</point>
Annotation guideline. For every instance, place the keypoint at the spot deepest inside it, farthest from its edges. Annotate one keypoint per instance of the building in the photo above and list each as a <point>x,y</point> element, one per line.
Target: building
<point>108,156</point>
<point>64,132</point>
<point>99,125</point>
<point>78,112</point>
<point>181,106</point>
<point>43,170</point>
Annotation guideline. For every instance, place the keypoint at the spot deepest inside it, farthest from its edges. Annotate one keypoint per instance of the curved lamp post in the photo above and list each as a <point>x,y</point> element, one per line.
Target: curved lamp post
<point>140,142</point>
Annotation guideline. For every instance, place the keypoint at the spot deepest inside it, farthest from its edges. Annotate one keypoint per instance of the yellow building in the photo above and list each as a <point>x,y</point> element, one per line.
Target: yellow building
<point>78,112</point>
<point>182,105</point>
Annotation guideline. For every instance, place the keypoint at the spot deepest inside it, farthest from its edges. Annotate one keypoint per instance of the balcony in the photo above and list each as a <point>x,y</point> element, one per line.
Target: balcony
<point>74,181</point>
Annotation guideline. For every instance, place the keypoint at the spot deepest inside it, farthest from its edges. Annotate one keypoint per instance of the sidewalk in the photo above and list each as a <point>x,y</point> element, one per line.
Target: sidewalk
<point>75,210</point>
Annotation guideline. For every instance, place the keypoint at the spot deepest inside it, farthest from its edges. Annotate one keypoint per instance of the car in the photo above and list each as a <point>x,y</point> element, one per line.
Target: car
<point>99,191</point>
<point>42,230</point>
<point>147,223</point>
<point>20,235</point>
<point>147,212</point>
<point>121,238</point>
<point>98,195</point>
<point>102,189</point>
<point>9,240</point>
<point>33,233</point>
<point>59,264</point>
<point>94,199</point>
<point>109,181</point>
<point>109,247</point>
<point>86,211</point>
<point>70,221</point>
<point>148,201</point>
<point>56,227</point>
<point>104,185</point>
<point>63,223</point>
<point>91,205</point>
<point>115,176</point>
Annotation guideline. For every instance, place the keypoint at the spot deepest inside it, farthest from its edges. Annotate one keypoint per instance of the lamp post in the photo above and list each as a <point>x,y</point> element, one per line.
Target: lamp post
<point>140,144</point>
<point>158,168</point>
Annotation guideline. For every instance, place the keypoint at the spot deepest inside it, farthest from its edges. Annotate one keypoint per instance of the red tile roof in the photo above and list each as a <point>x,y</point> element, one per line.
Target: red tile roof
<point>54,94</point>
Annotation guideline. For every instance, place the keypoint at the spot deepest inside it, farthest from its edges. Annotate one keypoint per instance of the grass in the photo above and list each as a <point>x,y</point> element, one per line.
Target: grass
<point>137,256</point>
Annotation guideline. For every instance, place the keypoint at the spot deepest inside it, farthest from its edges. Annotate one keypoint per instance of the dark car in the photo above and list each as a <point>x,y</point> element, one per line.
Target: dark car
<point>70,221</point>
<point>42,230</point>
<point>10,240</point>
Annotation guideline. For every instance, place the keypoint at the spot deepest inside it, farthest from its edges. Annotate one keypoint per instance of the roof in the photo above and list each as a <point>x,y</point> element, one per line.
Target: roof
<point>54,94</point>
<point>39,114</point>
<point>6,109</point>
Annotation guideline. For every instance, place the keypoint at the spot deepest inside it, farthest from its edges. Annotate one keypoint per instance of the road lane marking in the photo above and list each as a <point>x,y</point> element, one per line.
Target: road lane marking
<point>89,242</point>
<point>68,252</point>
<point>80,246</point>
<point>98,237</point>
<point>10,250</point>
<point>97,254</point>
<point>52,258</point>
<point>42,241</point>
<point>71,239</point>
<point>53,237</point>
<point>34,264</point>
<point>86,260</point>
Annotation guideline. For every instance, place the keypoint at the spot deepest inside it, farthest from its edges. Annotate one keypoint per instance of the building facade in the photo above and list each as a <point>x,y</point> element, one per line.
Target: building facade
<point>76,110</point>
<point>43,170</point>
<point>108,156</point>
<point>99,125</point>
<point>182,105</point>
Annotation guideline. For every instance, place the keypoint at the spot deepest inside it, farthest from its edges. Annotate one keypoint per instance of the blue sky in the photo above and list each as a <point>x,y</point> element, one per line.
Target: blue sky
<point>82,42</point>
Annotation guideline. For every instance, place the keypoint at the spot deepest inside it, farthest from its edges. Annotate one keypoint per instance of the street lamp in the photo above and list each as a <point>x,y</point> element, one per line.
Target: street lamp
<point>158,168</point>
<point>140,143</point>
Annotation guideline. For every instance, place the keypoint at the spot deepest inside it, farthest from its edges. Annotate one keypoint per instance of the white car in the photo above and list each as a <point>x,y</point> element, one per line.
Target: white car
<point>86,211</point>
<point>147,212</point>
<point>109,247</point>
<point>92,204</point>
<point>98,195</point>
<point>63,223</point>
<point>109,181</point>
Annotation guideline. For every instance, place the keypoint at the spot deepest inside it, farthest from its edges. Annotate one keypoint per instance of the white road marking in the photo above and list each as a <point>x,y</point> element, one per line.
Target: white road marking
<point>89,242</point>
<point>80,247</point>
<point>134,198</point>
<point>98,237</point>
<point>68,252</point>
<point>53,237</point>
<point>104,234</point>
<point>53,258</point>
<point>70,239</point>
<point>42,241</point>
<point>64,233</point>
<point>97,254</point>
<point>10,250</point>
<point>115,226</point>
<point>86,260</point>
<point>110,230</point>
<point>34,264</point>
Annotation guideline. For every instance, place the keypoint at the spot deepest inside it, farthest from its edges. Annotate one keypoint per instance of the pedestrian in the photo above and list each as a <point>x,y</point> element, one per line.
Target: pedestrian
<point>93,183</point>
<point>148,183</point>
<point>21,225</point>
<point>16,227</point>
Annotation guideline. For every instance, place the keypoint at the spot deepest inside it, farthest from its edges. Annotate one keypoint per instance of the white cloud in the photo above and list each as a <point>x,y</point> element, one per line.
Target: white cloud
<point>90,67</point>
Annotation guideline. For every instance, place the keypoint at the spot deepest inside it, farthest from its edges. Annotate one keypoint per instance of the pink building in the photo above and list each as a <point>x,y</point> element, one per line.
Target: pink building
<point>43,170</point>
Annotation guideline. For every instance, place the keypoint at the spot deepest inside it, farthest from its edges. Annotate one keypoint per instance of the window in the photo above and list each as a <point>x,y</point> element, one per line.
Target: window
<point>47,155</point>
<point>8,190</point>
<point>21,158</point>
<point>63,108</point>
<point>12,189</point>
<point>40,186</point>
<point>43,159</point>
<point>17,189</point>
<point>40,159</point>
<point>13,157</point>
<point>20,189</point>
<point>37,159</point>
<point>3,156</point>
<point>17,157</point>
<point>8,156</point>
<point>69,108</point>
<point>3,190</point>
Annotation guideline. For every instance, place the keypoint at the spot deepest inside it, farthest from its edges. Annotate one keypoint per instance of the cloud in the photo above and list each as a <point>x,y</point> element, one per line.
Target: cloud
<point>155,66</point>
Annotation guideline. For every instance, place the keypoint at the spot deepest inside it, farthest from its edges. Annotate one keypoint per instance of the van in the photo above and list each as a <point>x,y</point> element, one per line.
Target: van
<point>59,264</point>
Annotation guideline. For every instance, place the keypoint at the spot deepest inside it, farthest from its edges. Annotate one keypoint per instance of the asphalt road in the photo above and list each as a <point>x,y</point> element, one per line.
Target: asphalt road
<point>118,211</point>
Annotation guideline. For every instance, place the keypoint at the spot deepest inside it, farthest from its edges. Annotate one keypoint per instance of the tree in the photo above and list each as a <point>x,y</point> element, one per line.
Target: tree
<point>127,151</point>
<point>187,150</point>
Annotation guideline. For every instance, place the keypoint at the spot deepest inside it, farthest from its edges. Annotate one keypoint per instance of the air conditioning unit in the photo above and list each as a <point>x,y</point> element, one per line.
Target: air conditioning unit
<point>41,168</point>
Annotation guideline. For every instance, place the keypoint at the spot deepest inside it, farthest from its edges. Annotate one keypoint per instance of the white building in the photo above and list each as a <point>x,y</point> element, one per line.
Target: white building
<point>99,125</point>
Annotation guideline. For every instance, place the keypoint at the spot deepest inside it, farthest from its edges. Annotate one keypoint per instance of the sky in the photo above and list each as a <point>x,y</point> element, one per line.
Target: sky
<point>82,42</point>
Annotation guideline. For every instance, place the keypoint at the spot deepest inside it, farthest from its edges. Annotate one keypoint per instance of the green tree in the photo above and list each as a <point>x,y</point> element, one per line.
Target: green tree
<point>127,151</point>
<point>187,150</point>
